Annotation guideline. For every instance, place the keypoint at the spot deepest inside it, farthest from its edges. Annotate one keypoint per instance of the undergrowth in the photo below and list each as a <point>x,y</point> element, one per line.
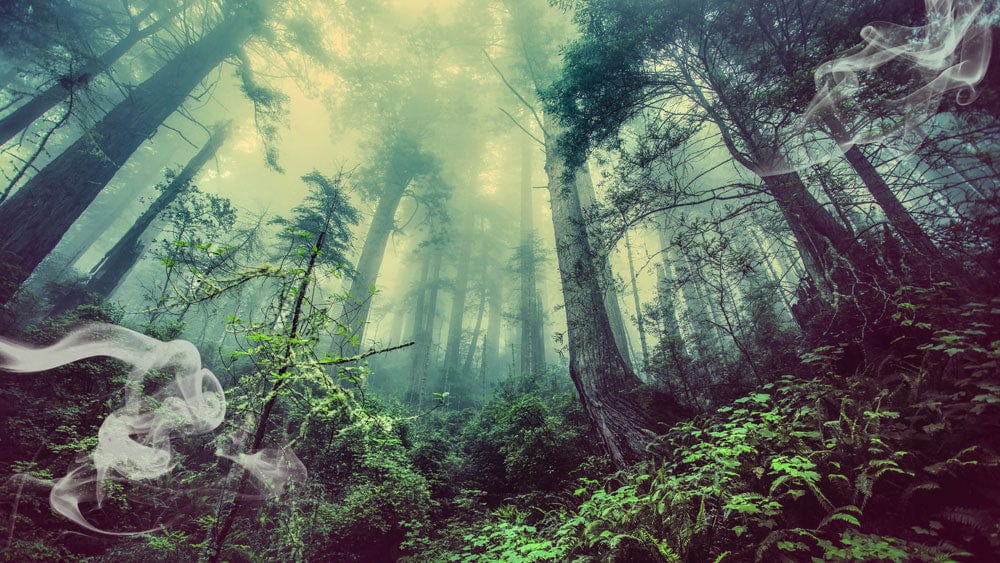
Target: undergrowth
<point>897,461</point>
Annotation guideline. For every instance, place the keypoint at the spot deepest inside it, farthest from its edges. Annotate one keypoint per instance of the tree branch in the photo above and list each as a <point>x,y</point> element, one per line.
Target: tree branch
<point>521,127</point>
<point>510,87</point>
<point>337,361</point>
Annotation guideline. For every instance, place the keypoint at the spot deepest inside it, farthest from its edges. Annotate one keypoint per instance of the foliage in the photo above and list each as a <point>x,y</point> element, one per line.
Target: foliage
<point>895,466</point>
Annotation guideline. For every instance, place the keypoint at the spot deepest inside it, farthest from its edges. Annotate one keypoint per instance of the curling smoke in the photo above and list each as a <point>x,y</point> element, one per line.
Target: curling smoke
<point>950,55</point>
<point>134,441</point>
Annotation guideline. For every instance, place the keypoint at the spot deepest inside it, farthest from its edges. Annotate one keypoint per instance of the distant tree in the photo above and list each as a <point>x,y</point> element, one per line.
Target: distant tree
<point>396,163</point>
<point>119,260</point>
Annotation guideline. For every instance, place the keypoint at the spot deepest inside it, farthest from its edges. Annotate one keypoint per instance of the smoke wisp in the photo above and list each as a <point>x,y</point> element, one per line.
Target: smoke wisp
<point>134,441</point>
<point>949,55</point>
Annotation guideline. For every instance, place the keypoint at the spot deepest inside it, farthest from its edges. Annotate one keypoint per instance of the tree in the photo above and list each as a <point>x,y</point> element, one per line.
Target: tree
<point>621,410</point>
<point>46,99</point>
<point>451,370</point>
<point>398,162</point>
<point>116,263</point>
<point>532,343</point>
<point>316,238</point>
<point>680,53</point>
<point>29,225</point>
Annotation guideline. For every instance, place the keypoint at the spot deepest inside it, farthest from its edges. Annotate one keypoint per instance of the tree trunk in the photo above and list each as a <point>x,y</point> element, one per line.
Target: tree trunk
<point>898,216</point>
<point>474,341</point>
<point>768,258</point>
<point>838,198</point>
<point>36,217</point>
<point>635,300</point>
<point>118,261</point>
<point>424,329</point>
<point>585,189</point>
<point>491,341</point>
<point>816,228</point>
<point>370,261</point>
<point>27,113</point>
<point>622,414</point>
<point>532,347</point>
<point>454,343</point>
<point>668,313</point>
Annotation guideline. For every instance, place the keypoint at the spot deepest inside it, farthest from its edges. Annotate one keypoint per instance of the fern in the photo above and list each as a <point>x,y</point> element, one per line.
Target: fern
<point>974,518</point>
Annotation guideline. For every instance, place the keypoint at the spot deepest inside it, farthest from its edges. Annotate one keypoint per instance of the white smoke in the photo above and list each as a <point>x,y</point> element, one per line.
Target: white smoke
<point>950,55</point>
<point>134,441</point>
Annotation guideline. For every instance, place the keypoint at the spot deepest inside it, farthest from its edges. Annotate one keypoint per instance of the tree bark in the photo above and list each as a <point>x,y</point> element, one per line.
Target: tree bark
<point>370,261</point>
<point>36,217</point>
<point>621,413</point>
<point>118,261</point>
<point>585,187</point>
<point>27,113</point>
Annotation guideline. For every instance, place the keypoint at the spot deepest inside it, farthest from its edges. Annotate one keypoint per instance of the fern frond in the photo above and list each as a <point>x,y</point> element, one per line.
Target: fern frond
<point>975,518</point>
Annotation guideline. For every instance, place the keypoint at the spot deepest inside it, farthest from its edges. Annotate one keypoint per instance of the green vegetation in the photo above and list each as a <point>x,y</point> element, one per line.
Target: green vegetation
<point>616,281</point>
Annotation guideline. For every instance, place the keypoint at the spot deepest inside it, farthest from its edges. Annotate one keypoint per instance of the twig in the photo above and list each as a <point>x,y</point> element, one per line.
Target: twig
<point>503,78</point>
<point>368,353</point>
<point>521,127</point>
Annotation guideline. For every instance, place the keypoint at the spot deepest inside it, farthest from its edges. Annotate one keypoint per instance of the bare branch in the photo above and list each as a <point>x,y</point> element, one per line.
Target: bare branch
<point>521,127</point>
<point>503,78</point>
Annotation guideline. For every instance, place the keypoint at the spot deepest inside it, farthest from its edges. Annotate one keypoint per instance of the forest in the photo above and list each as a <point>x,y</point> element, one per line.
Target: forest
<point>500,280</point>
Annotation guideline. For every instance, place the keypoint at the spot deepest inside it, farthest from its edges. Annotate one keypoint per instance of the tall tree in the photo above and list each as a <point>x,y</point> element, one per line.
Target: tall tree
<point>622,411</point>
<point>588,199</point>
<point>460,289</point>
<point>532,343</point>
<point>43,101</point>
<point>635,298</point>
<point>607,83</point>
<point>31,226</point>
<point>400,160</point>
<point>423,326</point>
<point>119,260</point>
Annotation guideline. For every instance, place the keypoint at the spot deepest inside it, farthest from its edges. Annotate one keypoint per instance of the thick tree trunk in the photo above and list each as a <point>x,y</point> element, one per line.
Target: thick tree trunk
<point>622,414</point>
<point>118,261</point>
<point>816,228</point>
<point>36,217</point>
<point>27,113</point>
<point>585,189</point>
<point>370,262</point>
<point>397,326</point>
